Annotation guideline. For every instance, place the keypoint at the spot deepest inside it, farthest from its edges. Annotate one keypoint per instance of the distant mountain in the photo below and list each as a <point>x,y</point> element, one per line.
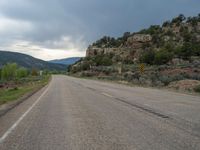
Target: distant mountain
<point>28,61</point>
<point>66,61</point>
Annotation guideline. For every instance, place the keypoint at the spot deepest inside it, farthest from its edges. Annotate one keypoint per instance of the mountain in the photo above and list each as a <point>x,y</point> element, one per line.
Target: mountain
<point>28,61</point>
<point>66,61</point>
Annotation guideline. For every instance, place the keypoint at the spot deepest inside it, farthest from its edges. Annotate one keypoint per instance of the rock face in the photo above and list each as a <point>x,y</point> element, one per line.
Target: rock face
<point>93,51</point>
<point>132,45</point>
<point>140,38</point>
<point>198,26</point>
<point>136,41</point>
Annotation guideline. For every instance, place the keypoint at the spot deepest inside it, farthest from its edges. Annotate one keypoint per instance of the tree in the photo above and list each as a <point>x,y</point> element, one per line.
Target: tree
<point>102,60</point>
<point>34,72</point>
<point>124,38</point>
<point>106,61</point>
<point>193,20</point>
<point>196,50</point>
<point>154,29</point>
<point>21,72</point>
<point>169,47</point>
<point>85,65</point>
<point>166,23</point>
<point>179,19</point>
<point>9,71</point>
<point>148,57</point>
<point>162,57</point>
<point>185,51</point>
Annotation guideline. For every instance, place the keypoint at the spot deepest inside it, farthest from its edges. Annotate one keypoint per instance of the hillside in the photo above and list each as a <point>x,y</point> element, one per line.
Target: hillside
<point>168,54</point>
<point>28,61</point>
<point>66,61</point>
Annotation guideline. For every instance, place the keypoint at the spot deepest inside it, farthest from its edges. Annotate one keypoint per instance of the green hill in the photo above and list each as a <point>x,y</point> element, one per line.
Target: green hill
<point>28,62</point>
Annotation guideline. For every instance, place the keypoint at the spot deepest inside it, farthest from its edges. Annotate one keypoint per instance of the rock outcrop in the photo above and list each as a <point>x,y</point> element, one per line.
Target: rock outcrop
<point>131,47</point>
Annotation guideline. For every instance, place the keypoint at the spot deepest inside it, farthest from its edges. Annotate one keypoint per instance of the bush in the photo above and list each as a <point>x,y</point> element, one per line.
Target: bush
<point>21,72</point>
<point>197,89</point>
<point>9,71</point>
<point>185,51</point>
<point>162,57</point>
<point>148,57</point>
<point>106,61</point>
<point>165,79</point>
<point>85,65</point>
<point>34,72</point>
<point>103,61</point>
<point>154,29</point>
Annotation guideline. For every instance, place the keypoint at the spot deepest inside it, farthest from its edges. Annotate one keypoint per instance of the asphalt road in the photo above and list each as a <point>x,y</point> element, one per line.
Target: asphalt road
<point>79,114</point>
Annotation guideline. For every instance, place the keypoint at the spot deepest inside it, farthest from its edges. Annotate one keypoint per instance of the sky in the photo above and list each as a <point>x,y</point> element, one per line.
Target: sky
<point>54,29</point>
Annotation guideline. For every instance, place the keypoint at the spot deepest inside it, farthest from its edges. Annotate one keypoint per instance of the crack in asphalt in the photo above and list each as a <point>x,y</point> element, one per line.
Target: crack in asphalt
<point>144,109</point>
<point>149,110</point>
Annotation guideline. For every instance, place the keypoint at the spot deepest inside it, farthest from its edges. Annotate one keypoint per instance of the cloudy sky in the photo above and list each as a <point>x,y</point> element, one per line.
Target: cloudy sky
<point>52,29</point>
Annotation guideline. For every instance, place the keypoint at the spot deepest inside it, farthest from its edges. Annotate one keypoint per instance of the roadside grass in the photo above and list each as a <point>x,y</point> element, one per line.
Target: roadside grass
<point>11,94</point>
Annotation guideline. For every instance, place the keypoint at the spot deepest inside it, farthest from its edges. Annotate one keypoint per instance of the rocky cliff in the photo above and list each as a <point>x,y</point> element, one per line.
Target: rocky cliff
<point>157,45</point>
<point>128,51</point>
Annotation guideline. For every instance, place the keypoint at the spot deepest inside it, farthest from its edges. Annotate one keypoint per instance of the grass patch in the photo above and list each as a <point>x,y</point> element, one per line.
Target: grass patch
<point>7,95</point>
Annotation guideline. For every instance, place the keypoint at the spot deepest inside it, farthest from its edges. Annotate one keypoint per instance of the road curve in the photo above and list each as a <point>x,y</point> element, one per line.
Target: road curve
<point>79,114</point>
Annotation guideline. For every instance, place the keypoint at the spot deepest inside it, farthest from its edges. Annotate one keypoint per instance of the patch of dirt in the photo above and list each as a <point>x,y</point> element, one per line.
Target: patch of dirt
<point>184,85</point>
<point>180,71</point>
<point>8,85</point>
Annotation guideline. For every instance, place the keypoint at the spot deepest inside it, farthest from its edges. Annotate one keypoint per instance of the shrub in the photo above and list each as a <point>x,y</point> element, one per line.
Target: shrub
<point>165,79</point>
<point>162,57</point>
<point>147,57</point>
<point>166,23</point>
<point>102,60</point>
<point>106,61</point>
<point>179,19</point>
<point>154,29</point>
<point>185,51</point>
<point>9,71</point>
<point>21,72</point>
<point>85,65</point>
<point>197,89</point>
<point>34,72</point>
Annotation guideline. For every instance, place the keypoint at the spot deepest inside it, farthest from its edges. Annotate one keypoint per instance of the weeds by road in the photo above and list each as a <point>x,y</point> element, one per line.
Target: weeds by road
<point>16,90</point>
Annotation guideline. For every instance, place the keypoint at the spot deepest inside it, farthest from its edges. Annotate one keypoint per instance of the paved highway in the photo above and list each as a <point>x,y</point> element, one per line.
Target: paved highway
<point>79,114</point>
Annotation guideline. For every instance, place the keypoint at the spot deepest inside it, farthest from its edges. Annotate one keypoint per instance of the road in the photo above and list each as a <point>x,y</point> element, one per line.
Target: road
<point>80,114</point>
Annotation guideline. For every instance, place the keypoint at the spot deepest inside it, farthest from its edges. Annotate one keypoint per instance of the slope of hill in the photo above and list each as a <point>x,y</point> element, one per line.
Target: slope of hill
<point>28,61</point>
<point>66,61</point>
<point>156,56</point>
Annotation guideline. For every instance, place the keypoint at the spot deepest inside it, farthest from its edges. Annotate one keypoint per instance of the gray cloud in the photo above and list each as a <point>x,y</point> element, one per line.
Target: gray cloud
<point>73,24</point>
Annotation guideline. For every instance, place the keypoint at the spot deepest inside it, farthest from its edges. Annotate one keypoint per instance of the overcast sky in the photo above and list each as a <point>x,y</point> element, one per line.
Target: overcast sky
<point>52,29</point>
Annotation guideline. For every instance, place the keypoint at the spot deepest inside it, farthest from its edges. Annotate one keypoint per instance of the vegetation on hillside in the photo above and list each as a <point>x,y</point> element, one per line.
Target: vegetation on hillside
<point>172,55</point>
<point>111,42</point>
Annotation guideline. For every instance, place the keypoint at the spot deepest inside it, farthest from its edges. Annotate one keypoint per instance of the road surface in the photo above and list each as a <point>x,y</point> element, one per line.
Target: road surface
<point>79,114</point>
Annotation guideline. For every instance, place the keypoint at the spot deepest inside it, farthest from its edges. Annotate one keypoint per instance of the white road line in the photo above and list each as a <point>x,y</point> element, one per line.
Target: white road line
<point>21,118</point>
<point>106,94</point>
